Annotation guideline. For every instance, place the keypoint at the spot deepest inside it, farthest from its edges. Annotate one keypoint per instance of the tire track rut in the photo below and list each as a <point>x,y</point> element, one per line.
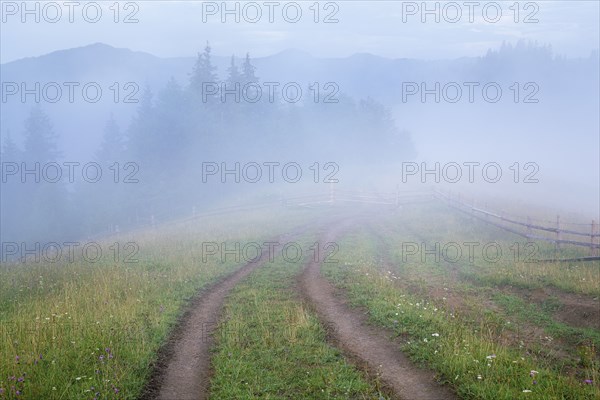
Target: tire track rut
<point>369,345</point>
<point>183,370</point>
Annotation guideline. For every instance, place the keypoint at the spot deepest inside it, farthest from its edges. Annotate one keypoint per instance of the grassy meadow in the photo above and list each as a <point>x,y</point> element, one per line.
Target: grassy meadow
<point>491,326</point>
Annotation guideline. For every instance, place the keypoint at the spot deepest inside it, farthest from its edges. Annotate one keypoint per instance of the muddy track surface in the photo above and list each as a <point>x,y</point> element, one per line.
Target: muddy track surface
<point>183,370</point>
<point>371,346</point>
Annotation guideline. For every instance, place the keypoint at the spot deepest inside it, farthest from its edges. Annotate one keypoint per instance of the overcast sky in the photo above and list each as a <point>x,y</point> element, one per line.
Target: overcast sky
<point>388,28</point>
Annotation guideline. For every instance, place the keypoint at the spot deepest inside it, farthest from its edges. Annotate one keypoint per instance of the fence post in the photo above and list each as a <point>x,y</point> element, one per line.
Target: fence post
<point>592,250</point>
<point>557,246</point>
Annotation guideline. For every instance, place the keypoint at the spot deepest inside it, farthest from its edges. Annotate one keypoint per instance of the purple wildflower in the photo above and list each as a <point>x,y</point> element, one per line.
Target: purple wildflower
<point>588,381</point>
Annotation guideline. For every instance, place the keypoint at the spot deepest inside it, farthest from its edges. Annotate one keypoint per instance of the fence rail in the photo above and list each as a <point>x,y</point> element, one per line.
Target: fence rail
<point>397,199</point>
<point>534,226</point>
<point>486,216</point>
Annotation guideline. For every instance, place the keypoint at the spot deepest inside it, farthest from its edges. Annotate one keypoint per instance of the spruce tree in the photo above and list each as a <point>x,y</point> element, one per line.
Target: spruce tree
<point>40,143</point>
<point>203,74</point>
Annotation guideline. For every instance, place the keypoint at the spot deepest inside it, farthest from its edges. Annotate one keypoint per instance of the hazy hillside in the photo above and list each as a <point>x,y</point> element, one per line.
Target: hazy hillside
<point>361,76</point>
<point>444,124</point>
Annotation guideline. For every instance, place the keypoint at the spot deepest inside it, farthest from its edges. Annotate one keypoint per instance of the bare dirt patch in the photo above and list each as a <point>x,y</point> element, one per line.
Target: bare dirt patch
<point>577,310</point>
<point>574,309</point>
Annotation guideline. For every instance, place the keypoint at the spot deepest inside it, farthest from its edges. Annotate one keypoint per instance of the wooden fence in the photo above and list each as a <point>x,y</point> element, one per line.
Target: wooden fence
<point>512,224</point>
<point>398,198</point>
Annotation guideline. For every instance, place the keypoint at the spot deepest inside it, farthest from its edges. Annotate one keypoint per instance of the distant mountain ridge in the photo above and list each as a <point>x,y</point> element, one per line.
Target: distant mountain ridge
<point>360,75</point>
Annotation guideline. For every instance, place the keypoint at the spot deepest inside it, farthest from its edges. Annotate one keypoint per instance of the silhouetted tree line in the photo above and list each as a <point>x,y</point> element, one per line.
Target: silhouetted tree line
<point>170,137</point>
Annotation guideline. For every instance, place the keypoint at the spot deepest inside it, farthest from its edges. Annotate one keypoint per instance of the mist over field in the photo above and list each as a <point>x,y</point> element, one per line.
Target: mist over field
<point>365,115</point>
<point>170,129</point>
